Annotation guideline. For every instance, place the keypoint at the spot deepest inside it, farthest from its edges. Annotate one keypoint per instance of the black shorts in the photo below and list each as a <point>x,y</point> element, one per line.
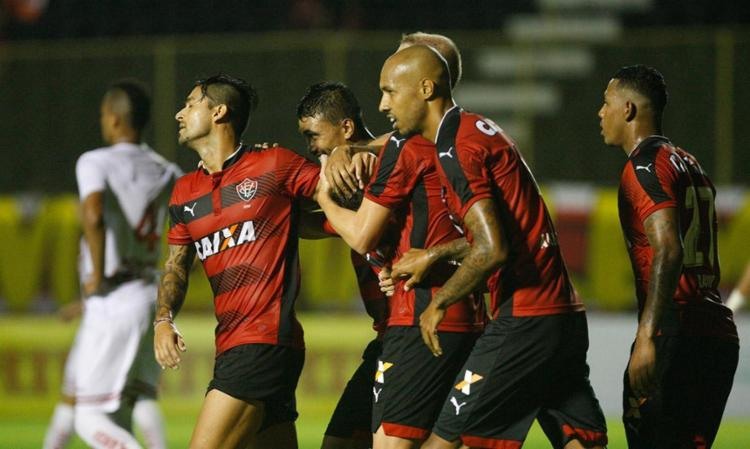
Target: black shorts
<point>261,372</point>
<point>695,377</point>
<point>352,417</point>
<point>521,369</point>
<point>411,383</point>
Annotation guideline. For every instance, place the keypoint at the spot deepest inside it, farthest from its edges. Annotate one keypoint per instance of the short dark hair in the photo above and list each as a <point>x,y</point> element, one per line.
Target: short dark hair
<point>333,101</point>
<point>237,94</point>
<point>137,111</point>
<point>646,81</point>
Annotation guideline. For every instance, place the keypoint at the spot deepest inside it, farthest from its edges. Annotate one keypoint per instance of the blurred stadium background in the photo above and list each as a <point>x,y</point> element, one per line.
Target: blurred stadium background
<point>538,68</point>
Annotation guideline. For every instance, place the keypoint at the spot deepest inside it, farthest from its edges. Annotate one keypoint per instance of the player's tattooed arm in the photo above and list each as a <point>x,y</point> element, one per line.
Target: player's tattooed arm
<point>415,264</point>
<point>168,342</point>
<point>486,253</point>
<point>174,281</point>
<point>662,230</point>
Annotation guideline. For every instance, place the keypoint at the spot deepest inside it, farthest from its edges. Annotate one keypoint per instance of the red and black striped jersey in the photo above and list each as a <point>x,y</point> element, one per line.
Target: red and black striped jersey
<point>406,181</point>
<point>375,301</point>
<point>659,175</point>
<point>243,223</point>
<point>477,160</point>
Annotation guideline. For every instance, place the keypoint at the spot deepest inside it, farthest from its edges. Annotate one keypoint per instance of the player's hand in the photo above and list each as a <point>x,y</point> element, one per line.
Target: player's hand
<point>642,368</point>
<point>337,171</point>
<point>168,344</point>
<point>386,281</point>
<point>413,265</point>
<point>362,165</point>
<point>428,323</point>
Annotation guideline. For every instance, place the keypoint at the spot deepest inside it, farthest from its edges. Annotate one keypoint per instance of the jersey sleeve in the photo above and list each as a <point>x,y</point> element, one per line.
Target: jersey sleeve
<point>648,183</point>
<point>300,176</point>
<point>396,173</point>
<point>90,175</point>
<point>178,233</point>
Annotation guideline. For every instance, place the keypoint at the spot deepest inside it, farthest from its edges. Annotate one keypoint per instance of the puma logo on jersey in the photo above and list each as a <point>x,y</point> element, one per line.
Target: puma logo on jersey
<point>398,141</point>
<point>644,167</point>
<point>469,378</point>
<point>457,405</point>
<point>224,239</point>
<point>190,209</point>
<point>376,393</point>
<point>446,153</point>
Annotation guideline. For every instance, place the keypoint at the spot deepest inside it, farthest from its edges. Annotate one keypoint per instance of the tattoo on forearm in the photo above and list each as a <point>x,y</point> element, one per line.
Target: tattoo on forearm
<point>480,260</point>
<point>661,230</point>
<point>174,281</point>
<point>454,250</point>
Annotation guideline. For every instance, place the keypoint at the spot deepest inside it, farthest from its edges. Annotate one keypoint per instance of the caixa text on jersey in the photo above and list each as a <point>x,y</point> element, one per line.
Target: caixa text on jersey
<point>223,239</point>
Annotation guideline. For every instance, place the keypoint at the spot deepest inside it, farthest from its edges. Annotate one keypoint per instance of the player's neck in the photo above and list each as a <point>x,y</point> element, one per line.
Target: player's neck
<point>125,137</point>
<point>435,112</point>
<point>637,134</point>
<point>213,154</point>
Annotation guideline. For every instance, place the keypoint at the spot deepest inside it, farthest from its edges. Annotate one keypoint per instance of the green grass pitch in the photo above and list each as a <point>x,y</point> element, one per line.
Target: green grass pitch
<point>32,351</point>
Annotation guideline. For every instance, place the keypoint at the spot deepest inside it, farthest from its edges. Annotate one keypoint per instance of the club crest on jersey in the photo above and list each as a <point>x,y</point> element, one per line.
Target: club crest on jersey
<point>223,239</point>
<point>247,188</point>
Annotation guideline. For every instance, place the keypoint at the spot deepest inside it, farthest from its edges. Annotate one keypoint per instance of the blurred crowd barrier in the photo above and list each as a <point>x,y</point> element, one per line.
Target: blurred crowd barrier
<point>40,240</point>
<point>544,93</point>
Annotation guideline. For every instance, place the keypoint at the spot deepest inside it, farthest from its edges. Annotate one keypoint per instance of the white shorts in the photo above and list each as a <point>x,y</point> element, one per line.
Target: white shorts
<point>69,375</point>
<point>113,355</point>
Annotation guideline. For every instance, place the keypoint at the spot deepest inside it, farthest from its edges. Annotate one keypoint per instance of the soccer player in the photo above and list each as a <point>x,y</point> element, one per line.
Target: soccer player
<point>683,360</point>
<point>530,363</point>
<point>124,189</point>
<point>339,172</point>
<point>239,214</point>
<point>329,116</point>
<point>411,384</point>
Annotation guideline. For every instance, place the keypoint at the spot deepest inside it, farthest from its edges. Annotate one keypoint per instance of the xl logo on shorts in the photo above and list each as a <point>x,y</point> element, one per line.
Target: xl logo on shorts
<point>224,239</point>
<point>247,188</point>
<point>382,368</point>
<point>469,378</point>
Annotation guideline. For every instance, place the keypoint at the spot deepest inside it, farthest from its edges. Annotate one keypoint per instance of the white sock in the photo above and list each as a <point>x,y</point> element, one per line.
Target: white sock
<point>100,432</point>
<point>148,419</point>
<point>736,300</point>
<point>60,427</point>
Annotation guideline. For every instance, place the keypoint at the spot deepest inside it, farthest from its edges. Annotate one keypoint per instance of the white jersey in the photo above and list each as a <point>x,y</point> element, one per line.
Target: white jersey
<point>136,182</point>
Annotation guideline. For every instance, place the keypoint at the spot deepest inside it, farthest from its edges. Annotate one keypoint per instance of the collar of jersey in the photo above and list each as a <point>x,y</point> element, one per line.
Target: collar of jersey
<point>228,162</point>
<point>646,142</point>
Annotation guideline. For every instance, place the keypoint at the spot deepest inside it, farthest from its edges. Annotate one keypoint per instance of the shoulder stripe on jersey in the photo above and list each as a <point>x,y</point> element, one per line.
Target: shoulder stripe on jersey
<point>190,210</point>
<point>448,157</point>
<point>387,163</point>
<point>644,165</point>
<point>200,207</point>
